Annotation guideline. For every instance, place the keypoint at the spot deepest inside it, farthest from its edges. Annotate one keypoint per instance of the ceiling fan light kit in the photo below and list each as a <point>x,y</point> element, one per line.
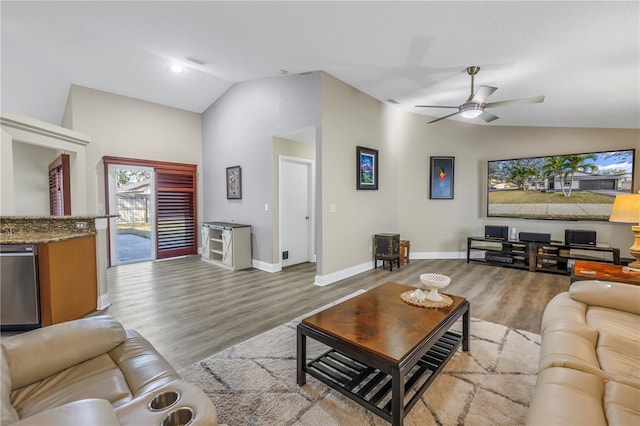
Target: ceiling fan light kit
<point>471,110</point>
<point>476,103</point>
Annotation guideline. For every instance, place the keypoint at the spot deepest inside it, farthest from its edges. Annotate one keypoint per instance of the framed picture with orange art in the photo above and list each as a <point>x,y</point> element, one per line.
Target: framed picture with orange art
<point>441,178</point>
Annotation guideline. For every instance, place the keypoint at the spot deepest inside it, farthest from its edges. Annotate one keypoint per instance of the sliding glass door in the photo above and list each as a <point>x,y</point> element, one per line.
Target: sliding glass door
<point>156,207</point>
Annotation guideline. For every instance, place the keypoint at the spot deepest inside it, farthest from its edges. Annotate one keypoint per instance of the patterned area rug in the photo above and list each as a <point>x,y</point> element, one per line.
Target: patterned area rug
<point>254,383</point>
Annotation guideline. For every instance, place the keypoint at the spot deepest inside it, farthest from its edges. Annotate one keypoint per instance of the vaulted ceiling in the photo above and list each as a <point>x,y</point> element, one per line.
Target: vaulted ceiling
<point>584,56</point>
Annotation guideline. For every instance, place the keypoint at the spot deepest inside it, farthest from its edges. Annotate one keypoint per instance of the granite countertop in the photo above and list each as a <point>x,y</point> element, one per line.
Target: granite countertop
<point>41,237</point>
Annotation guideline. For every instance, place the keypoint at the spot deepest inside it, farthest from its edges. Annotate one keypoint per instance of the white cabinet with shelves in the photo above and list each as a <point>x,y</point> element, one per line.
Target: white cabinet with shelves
<point>227,244</point>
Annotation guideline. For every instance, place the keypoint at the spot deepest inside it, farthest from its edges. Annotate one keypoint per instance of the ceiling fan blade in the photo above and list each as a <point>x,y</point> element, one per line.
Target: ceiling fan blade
<point>532,100</point>
<point>442,118</point>
<point>487,116</point>
<point>435,106</point>
<point>483,93</point>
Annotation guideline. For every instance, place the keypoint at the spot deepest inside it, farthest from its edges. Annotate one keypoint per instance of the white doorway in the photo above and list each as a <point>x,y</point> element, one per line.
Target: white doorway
<point>131,195</point>
<point>296,209</point>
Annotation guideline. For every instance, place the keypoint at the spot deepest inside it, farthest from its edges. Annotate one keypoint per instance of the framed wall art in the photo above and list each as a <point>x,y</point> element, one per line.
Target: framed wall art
<point>441,178</point>
<point>367,168</point>
<point>234,183</point>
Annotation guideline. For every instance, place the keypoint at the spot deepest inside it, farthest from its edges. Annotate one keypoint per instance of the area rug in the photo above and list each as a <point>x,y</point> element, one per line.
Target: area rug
<point>254,383</point>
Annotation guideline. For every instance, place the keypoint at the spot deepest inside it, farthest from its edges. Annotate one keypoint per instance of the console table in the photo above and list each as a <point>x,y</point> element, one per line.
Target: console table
<point>227,244</point>
<point>534,256</point>
<point>582,271</point>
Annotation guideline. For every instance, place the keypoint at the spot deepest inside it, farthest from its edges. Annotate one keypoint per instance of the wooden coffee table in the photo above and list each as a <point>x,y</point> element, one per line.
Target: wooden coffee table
<point>382,348</point>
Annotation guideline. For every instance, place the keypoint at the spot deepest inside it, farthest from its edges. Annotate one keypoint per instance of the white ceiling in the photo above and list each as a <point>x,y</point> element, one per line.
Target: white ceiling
<point>584,56</point>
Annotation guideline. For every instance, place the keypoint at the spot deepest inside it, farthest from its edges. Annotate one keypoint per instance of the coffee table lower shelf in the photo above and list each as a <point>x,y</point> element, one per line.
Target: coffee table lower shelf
<point>371,387</point>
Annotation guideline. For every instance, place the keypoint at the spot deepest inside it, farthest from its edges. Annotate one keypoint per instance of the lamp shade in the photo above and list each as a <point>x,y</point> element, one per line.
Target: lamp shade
<point>626,209</point>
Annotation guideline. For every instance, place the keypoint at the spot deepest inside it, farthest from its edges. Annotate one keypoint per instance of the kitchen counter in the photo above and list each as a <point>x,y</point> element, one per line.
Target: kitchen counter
<point>41,237</point>
<point>46,229</point>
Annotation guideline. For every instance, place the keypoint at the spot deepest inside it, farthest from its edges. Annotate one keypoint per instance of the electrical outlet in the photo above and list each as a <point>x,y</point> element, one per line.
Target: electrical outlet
<point>81,225</point>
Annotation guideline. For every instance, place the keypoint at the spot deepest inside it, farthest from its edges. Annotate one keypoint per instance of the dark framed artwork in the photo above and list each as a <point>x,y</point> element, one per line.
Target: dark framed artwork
<point>367,168</point>
<point>234,183</point>
<point>441,178</point>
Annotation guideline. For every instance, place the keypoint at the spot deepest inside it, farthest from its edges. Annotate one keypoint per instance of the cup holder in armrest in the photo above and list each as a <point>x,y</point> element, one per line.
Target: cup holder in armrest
<point>164,400</point>
<point>180,417</point>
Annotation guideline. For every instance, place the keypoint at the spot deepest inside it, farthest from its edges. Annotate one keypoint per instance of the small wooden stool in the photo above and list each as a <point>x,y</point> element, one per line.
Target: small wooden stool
<point>405,249</point>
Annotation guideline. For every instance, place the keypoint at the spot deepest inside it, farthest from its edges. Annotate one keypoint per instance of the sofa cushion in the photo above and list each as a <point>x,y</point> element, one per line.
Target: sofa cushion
<point>618,346</point>
<point>622,404</point>
<point>142,366</point>
<point>563,308</point>
<point>96,378</point>
<point>9,414</point>
<point>613,295</point>
<point>29,354</point>
<point>564,396</point>
<point>570,344</point>
<point>94,412</point>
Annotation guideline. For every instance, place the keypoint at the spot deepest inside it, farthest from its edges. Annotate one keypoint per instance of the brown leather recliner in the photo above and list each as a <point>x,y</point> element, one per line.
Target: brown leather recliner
<point>93,371</point>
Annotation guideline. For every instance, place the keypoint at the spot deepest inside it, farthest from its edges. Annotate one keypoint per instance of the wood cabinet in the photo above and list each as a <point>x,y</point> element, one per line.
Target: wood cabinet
<point>68,279</point>
<point>386,247</point>
<point>227,244</point>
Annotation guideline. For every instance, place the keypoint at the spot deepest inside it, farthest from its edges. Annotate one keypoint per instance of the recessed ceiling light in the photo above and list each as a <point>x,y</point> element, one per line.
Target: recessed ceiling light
<point>177,68</point>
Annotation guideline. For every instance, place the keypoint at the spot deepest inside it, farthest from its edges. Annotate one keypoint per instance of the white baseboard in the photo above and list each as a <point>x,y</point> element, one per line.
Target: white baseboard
<point>322,280</point>
<point>439,255</point>
<point>267,267</point>
<point>103,302</point>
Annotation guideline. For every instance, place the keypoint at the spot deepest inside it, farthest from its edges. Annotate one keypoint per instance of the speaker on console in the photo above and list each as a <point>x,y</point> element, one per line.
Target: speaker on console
<point>534,237</point>
<point>496,232</point>
<point>581,237</point>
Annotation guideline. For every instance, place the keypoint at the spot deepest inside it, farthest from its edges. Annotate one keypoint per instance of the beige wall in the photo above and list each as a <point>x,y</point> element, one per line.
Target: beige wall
<point>126,127</point>
<point>349,119</point>
<point>438,228</point>
<point>31,178</point>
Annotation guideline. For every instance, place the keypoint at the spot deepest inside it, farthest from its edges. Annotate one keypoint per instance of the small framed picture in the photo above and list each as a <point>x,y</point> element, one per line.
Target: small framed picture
<point>441,178</point>
<point>234,183</point>
<point>367,168</point>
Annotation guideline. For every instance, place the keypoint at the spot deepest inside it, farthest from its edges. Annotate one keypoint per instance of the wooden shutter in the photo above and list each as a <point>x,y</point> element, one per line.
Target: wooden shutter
<point>175,213</point>
<point>60,186</point>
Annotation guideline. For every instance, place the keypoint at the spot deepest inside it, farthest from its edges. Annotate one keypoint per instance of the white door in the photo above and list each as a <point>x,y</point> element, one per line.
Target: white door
<point>295,211</point>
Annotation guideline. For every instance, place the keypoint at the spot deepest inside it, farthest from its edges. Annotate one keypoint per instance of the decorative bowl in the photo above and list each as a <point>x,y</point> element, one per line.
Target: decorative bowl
<point>434,282</point>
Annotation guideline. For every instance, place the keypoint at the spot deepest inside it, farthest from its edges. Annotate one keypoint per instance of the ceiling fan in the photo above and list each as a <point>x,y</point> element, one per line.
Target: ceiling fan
<point>476,104</point>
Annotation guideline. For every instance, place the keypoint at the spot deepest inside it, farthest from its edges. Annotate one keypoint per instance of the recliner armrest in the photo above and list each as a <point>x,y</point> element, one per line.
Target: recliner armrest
<point>95,412</point>
<point>40,353</point>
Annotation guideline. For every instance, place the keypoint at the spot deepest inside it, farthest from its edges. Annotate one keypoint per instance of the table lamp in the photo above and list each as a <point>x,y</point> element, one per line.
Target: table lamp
<point>626,209</point>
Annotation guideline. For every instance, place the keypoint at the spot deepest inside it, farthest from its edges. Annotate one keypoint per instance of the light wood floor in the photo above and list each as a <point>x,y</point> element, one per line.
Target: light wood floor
<point>189,309</point>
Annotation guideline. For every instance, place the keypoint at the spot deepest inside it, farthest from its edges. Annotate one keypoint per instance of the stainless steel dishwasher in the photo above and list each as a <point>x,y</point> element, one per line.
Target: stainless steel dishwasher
<point>19,293</point>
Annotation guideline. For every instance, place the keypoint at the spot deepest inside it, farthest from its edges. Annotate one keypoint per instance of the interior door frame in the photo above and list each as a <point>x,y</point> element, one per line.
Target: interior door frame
<point>311,208</point>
